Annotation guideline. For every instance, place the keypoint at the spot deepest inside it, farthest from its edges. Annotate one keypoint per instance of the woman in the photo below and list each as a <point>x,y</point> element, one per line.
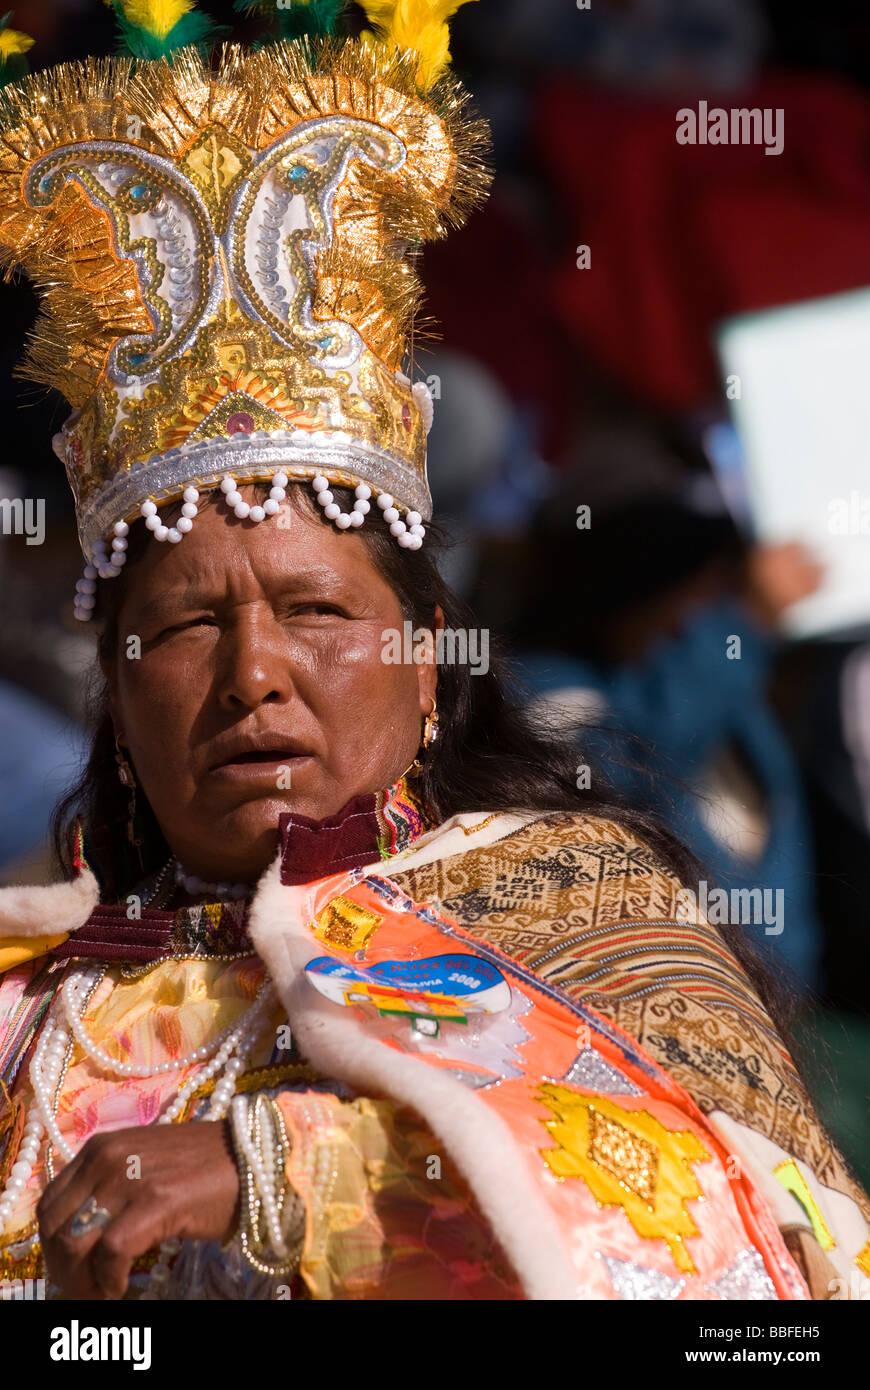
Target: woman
<point>348,992</point>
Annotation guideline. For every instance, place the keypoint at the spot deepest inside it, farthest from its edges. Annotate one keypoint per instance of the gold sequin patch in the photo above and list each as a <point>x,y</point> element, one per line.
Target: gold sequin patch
<point>343,923</point>
<point>625,1155</point>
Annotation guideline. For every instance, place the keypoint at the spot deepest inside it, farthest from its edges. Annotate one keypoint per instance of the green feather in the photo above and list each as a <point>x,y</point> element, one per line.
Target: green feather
<point>193,28</point>
<point>297,19</point>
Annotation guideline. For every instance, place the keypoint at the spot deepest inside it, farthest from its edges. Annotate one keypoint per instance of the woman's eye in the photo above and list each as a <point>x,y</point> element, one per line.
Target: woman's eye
<point>188,623</point>
<point>328,609</point>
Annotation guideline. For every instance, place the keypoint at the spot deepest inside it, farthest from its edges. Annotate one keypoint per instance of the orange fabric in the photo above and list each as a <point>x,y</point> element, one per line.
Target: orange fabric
<point>598,1157</point>
<point>17,950</point>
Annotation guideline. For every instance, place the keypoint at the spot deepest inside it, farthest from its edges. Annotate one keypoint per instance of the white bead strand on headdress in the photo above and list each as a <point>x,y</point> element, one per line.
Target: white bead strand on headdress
<point>409,533</point>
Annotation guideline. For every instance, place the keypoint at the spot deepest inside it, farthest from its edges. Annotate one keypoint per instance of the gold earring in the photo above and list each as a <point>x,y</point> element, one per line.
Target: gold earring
<point>430,725</point>
<point>125,771</point>
<point>430,734</point>
<point>125,776</point>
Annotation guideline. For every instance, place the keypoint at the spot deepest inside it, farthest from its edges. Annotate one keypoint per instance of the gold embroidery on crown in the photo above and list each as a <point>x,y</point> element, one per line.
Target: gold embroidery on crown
<point>232,240</point>
<point>215,164</point>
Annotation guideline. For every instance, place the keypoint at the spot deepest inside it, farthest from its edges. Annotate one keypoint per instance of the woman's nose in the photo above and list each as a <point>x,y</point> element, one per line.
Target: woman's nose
<point>255,661</point>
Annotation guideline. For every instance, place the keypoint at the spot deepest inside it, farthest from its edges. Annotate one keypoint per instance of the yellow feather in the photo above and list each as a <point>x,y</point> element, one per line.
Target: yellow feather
<point>13,41</point>
<point>156,16</point>
<point>419,25</point>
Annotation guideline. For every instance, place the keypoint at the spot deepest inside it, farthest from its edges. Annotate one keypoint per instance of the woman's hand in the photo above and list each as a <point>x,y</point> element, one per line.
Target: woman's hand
<point>157,1182</point>
<point>778,576</point>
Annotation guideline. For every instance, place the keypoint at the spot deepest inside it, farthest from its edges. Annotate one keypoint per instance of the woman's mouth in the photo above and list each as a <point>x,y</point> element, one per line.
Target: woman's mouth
<point>274,765</point>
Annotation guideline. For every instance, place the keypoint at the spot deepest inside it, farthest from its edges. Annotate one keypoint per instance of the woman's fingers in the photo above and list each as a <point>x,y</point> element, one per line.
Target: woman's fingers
<point>74,1184</point>
<point>97,1264</point>
<point>69,1173</point>
<point>68,1257</point>
<point>159,1181</point>
<point>100,1162</point>
<point>135,1231</point>
<point>96,1177</point>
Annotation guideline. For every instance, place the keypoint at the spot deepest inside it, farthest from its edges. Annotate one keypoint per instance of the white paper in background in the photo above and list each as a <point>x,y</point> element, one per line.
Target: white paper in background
<point>804,423</point>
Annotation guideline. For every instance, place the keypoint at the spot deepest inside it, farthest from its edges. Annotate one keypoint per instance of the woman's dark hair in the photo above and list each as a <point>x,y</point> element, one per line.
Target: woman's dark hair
<point>491,755</point>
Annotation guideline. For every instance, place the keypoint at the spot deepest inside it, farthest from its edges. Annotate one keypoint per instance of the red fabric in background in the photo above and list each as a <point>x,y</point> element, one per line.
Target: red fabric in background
<point>488,289</point>
<point>682,236</point>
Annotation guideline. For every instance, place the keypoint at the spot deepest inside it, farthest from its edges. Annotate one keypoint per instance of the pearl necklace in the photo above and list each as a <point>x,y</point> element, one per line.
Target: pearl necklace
<point>228,1051</point>
<point>194,885</point>
<point>263,1173</point>
<point>221,1046</point>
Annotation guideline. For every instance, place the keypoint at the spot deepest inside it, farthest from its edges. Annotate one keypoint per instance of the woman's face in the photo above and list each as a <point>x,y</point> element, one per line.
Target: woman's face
<point>260,667</point>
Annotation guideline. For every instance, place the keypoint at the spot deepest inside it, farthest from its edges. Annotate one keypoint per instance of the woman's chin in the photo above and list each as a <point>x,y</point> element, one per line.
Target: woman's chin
<point>248,841</point>
<point>247,832</point>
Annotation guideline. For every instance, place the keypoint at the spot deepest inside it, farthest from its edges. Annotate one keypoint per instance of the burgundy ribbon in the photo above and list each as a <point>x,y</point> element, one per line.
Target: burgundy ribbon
<point>311,849</point>
<point>110,934</point>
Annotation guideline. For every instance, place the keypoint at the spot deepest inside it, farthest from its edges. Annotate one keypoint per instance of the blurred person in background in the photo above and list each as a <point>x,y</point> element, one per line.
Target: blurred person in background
<point>41,753</point>
<point>42,748</point>
<point>487,474</point>
<point>656,625</point>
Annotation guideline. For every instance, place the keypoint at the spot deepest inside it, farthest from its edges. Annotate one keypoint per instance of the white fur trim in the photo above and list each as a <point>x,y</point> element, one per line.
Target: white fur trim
<point>468,830</point>
<point>760,1156</point>
<point>477,1139</point>
<point>48,909</point>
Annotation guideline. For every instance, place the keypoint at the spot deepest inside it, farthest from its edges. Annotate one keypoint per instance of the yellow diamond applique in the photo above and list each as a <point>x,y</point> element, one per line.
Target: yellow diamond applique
<point>627,1158</point>
<point>624,1155</point>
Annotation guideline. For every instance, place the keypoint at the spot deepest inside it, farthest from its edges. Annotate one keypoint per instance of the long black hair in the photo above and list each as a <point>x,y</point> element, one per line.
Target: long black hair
<point>491,754</point>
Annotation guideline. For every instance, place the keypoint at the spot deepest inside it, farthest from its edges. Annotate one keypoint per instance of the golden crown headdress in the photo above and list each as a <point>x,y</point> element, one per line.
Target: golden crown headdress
<point>224,255</point>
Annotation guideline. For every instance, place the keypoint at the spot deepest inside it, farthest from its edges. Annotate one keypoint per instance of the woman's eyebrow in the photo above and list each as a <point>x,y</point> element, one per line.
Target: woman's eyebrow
<point>159,606</point>
<point>319,578</point>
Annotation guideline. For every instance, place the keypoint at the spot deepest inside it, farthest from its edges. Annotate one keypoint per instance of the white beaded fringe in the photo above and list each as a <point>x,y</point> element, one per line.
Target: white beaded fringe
<point>409,533</point>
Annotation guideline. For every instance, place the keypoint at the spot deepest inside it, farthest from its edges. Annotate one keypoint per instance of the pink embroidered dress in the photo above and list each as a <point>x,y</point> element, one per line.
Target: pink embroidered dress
<point>374,1218</point>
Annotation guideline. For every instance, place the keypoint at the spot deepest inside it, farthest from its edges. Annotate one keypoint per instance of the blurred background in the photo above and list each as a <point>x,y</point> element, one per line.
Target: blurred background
<point>629,485</point>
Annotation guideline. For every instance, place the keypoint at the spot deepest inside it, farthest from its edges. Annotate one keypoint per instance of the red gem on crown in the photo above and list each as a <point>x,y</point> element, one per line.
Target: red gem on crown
<point>240,423</point>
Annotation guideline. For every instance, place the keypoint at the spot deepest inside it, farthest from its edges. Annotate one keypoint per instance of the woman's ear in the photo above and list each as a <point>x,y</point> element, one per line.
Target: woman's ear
<point>427,671</point>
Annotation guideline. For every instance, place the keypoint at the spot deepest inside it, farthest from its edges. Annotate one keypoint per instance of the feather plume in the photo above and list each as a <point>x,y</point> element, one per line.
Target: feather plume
<point>13,46</point>
<point>299,18</point>
<point>155,28</point>
<point>418,25</point>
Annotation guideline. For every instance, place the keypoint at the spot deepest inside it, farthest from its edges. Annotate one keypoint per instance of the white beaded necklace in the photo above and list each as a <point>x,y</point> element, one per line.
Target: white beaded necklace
<point>264,1175</point>
<point>194,885</point>
<point>228,1051</point>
